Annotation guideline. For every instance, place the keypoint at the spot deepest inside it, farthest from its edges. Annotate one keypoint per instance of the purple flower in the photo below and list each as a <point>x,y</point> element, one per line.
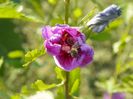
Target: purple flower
<point>67,45</point>
<point>118,95</point>
<point>102,19</point>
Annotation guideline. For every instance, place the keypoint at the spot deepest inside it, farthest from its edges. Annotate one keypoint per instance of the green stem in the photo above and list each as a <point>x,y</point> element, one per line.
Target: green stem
<point>67,96</point>
<point>66,11</point>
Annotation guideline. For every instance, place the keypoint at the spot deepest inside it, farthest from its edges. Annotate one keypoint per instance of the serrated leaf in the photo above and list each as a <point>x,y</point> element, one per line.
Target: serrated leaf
<point>75,88</point>
<point>33,55</point>
<point>40,85</point>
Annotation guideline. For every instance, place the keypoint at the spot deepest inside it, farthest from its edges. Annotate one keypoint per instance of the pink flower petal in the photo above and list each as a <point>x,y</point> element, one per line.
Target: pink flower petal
<point>46,32</point>
<point>53,49</point>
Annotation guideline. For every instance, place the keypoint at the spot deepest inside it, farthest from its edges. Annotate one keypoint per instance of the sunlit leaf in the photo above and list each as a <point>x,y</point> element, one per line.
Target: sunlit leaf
<point>40,85</point>
<point>74,82</point>
<point>60,93</point>
<point>25,90</point>
<point>16,54</point>
<point>60,73</point>
<point>33,55</point>
<point>75,88</point>
<point>16,96</point>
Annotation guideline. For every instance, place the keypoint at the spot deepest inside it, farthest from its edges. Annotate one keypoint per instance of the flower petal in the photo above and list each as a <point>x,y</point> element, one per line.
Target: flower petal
<point>55,38</point>
<point>73,32</point>
<point>47,32</point>
<point>53,49</point>
<point>86,56</point>
<point>81,39</point>
<point>67,63</point>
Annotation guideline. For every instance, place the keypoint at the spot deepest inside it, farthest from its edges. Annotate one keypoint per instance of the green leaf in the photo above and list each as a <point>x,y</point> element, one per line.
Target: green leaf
<point>25,90</point>
<point>12,10</point>
<point>74,82</point>
<point>126,84</point>
<point>33,55</point>
<point>1,61</point>
<point>40,85</point>
<point>16,54</point>
<point>75,88</point>
<point>16,96</point>
<point>60,73</point>
<point>101,36</point>
<point>60,93</point>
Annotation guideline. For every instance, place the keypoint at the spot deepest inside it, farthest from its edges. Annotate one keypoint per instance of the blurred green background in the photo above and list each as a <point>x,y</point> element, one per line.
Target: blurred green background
<point>21,22</point>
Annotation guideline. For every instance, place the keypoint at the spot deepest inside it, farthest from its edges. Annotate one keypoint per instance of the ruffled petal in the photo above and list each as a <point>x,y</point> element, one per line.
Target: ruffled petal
<point>53,49</point>
<point>73,32</point>
<point>47,32</point>
<point>67,63</point>
<point>59,28</point>
<point>55,38</point>
<point>80,40</point>
<point>86,55</point>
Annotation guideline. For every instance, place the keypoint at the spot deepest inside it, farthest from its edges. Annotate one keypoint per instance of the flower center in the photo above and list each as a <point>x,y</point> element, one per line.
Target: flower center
<point>69,45</point>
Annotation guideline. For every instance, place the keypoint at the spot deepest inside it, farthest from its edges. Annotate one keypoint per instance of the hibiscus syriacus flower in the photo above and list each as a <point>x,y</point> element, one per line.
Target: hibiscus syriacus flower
<point>67,45</point>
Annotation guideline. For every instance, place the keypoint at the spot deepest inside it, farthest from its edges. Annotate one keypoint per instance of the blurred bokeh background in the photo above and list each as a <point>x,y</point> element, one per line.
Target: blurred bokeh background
<point>21,22</point>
